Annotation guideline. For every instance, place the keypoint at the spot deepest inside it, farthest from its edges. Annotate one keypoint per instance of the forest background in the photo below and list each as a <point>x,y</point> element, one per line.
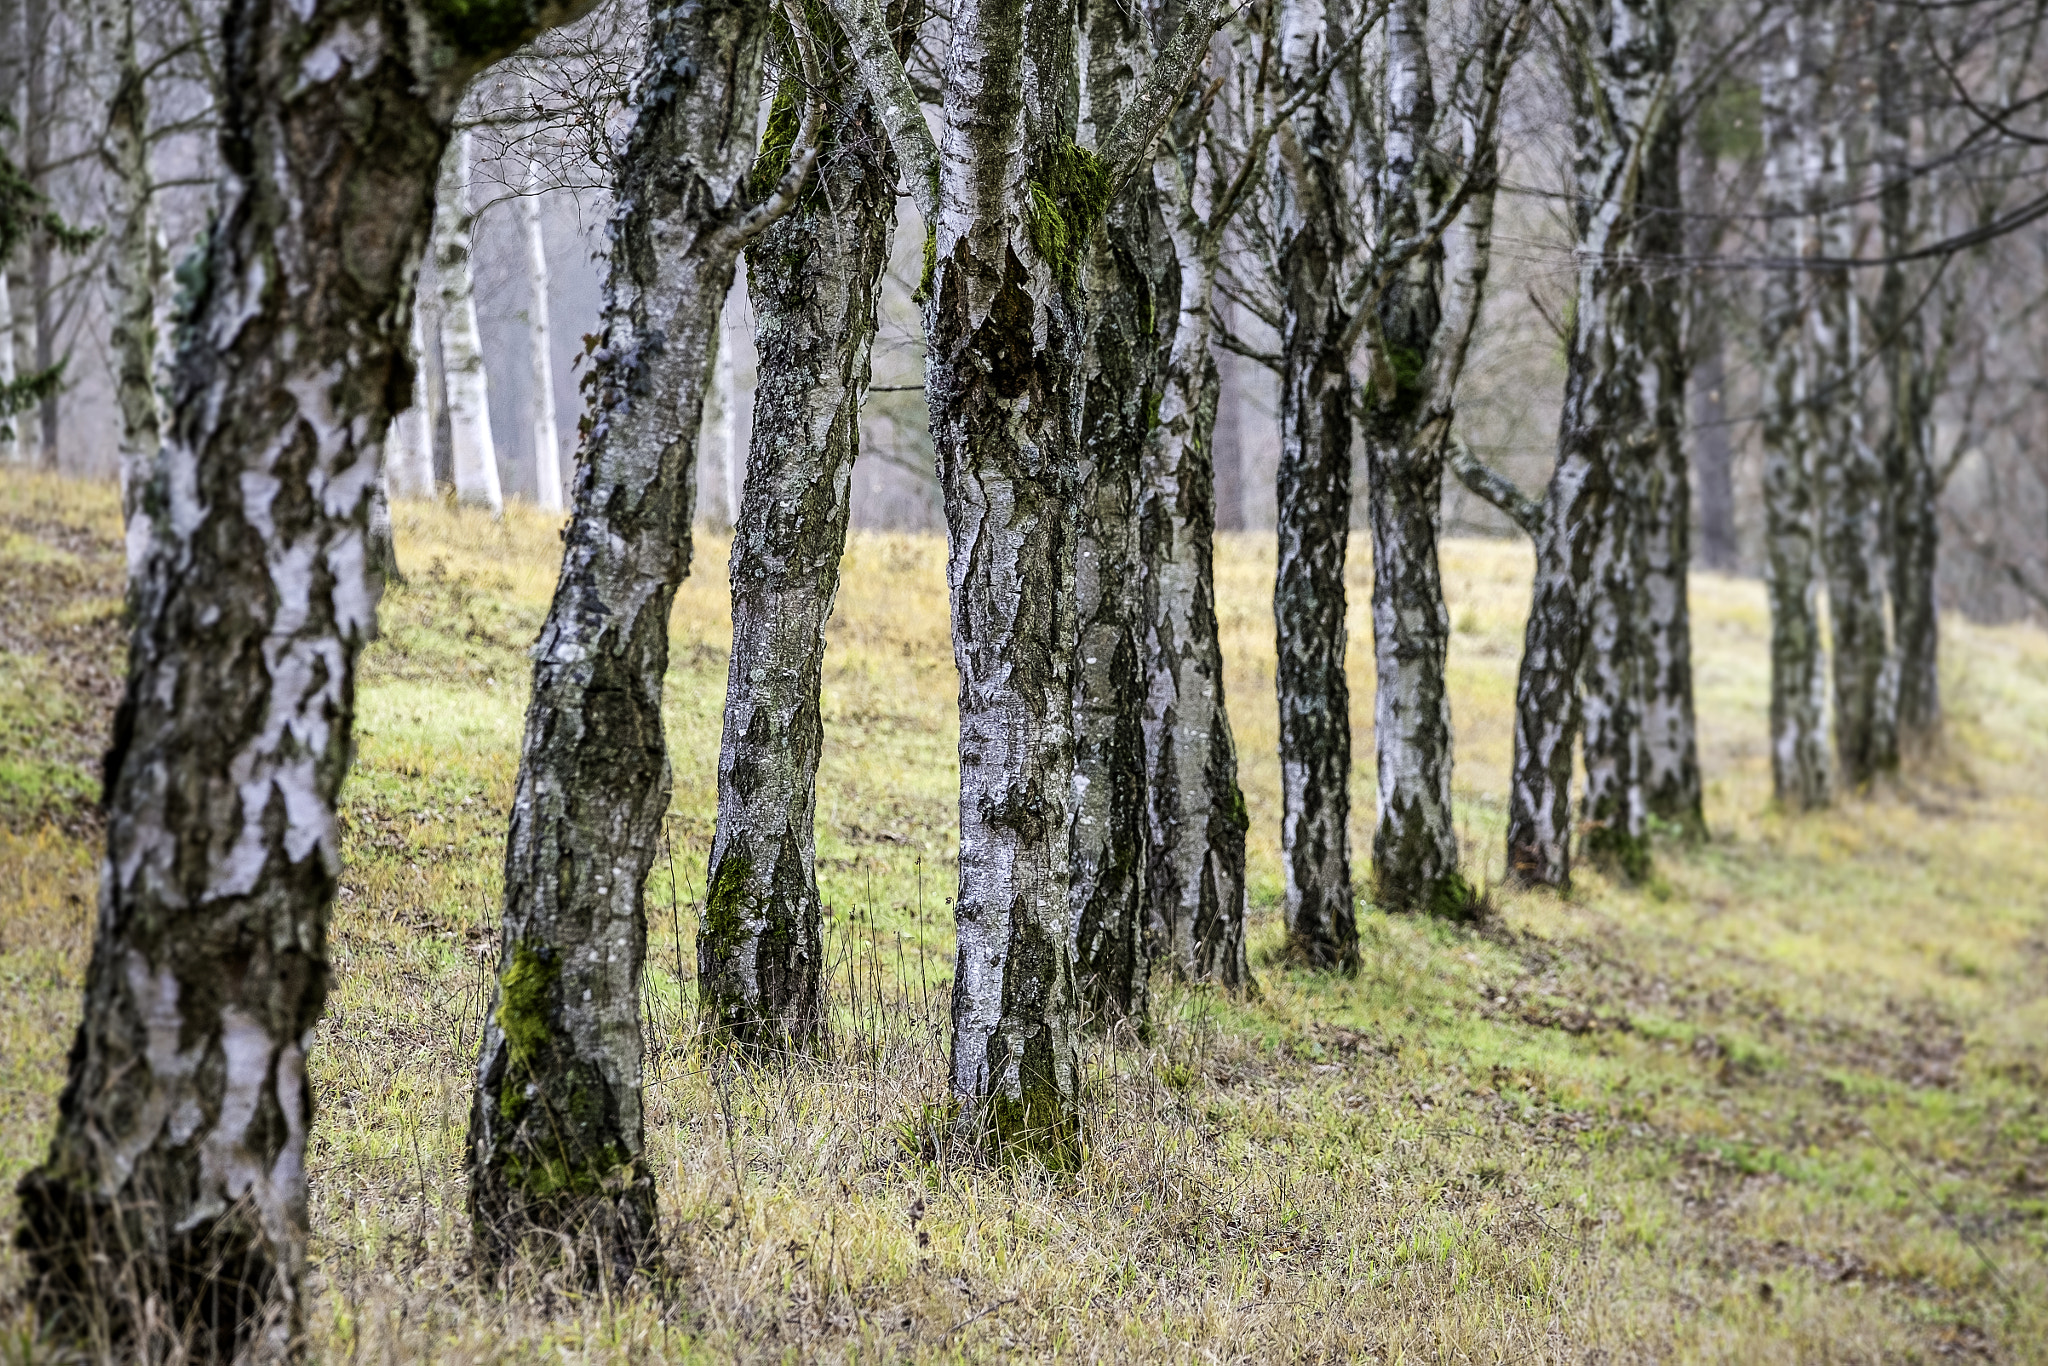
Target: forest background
<point>1780,1094</point>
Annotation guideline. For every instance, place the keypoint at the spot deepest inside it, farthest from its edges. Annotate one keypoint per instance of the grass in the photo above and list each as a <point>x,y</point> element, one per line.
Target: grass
<point>1783,1103</point>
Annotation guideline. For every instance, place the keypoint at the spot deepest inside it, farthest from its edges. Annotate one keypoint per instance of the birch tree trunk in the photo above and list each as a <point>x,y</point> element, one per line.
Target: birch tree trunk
<point>1799,761</point>
<point>136,262</point>
<point>1914,489</point>
<point>1713,450</point>
<point>409,447</point>
<point>39,118</point>
<point>1195,876</point>
<point>1017,200</point>
<point>547,440</point>
<point>1854,507</point>
<point>10,424</point>
<point>1415,847</point>
<point>1672,790</point>
<point>173,1201</point>
<point>1314,499</point>
<point>557,1138</point>
<point>813,279</point>
<point>462,355</point>
<point>1127,265</point>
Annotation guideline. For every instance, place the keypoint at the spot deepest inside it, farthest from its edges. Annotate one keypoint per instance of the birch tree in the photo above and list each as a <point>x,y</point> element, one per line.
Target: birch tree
<point>1127,272</point>
<point>547,440</point>
<point>475,455</point>
<point>1850,473</point>
<point>172,1204</point>
<point>409,446</point>
<point>1799,758</point>
<point>1435,166</point>
<point>1011,200</point>
<point>1314,490</point>
<point>813,278</point>
<point>557,1134</point>
<point>136,268</point>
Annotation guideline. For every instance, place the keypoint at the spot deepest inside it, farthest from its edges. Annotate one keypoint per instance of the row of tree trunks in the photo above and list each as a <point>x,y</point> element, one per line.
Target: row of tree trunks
<point>813,279</point>
<point>557,1145</point>
<point>1314,495</point>
<point>171,1213</point>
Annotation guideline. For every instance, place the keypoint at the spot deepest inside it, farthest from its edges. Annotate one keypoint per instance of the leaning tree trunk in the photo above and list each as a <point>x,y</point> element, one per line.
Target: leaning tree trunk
<point>462,356</point>
<point>1195,876</point>
<point>557,1139</point>
<point>173,1202</point>
<point>1125,263</point>
<point>813,279</point>
<point>1670,758</point>
<point>1854,507</point>
<point>1799,760</point>
<point>1914,493</point>
<point>1415,846</point>
<point>1314,502</point>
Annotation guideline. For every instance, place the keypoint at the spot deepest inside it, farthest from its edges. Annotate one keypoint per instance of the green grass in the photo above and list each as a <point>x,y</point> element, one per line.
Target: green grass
<point>1784,1103</point>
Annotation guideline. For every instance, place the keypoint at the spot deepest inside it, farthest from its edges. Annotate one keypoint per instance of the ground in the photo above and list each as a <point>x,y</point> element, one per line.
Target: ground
<point>1784,1102</point>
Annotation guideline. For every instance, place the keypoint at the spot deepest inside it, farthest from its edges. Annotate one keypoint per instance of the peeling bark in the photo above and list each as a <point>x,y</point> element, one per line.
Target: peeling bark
<point>1314,501</point>
<point>813,278</point>
<point>1799,761</point>
<point>475,454</point>
<point>557,1142</point>
<point>176,1178</point>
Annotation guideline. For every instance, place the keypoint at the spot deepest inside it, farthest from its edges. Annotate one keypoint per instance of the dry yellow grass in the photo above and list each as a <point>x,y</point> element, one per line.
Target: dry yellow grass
<point>1782,1104</point>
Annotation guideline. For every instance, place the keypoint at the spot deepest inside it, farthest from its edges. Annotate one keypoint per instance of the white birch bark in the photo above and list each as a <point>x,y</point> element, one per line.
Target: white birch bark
<point>10,427</point>
<point>409,447</point>
<point>136,266</point>
<point>547,441</point>
<point>172,1204</point>
<point>1799,760</point>
<point>462,355</point>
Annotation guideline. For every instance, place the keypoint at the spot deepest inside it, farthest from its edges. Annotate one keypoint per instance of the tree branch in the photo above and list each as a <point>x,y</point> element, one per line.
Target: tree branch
<point>887,81</point>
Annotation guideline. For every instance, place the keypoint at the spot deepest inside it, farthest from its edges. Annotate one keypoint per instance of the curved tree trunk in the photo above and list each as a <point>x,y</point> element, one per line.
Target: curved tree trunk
<point>1126,261</point>
<point>813,279</point>
<point>1314,502</point>
<point>1799,760</point>
<point>1195,877</point>
<point>475,455</point>
<point>176,1179</point>
<point>556,1134</point>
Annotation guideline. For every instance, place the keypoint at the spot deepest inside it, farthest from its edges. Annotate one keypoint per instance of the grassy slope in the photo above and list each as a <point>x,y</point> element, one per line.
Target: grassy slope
<point>1785,1103</point>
